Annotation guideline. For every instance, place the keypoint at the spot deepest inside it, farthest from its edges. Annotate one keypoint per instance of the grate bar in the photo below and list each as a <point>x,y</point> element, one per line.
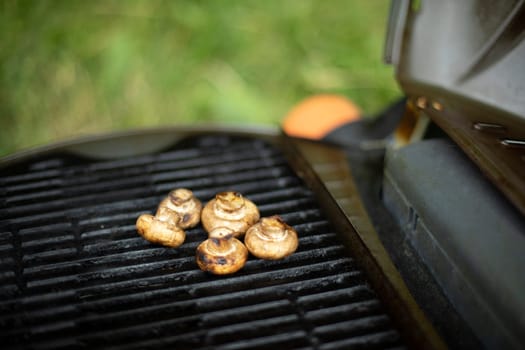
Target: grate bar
<point>328,314</point>
<point>32,176</point>
<point>352,327</point>
<point>373,340</point>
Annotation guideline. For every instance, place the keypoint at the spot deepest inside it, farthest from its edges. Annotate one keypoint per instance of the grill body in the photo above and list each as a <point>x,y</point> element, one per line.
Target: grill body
<point>75,273</point>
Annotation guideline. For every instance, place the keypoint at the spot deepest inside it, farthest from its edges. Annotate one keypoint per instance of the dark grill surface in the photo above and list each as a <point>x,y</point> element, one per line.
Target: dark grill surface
<point>74,272</point>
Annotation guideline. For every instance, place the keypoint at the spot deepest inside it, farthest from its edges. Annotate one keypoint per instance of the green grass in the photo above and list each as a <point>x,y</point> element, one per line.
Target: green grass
<point>70,68</point>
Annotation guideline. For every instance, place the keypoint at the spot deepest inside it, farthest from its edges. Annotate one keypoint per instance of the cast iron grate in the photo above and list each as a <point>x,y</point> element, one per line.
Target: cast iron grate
<point>74,272</point>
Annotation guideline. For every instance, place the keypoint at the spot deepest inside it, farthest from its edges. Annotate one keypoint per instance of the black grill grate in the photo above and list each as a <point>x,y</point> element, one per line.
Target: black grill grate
<point>74,272</point>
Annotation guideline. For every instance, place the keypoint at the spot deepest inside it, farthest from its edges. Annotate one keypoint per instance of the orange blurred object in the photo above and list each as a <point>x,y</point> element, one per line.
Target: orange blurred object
<point>316,116</point>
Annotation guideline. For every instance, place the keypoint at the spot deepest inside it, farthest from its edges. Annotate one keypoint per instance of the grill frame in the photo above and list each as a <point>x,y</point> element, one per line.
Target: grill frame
<point>158,139</point>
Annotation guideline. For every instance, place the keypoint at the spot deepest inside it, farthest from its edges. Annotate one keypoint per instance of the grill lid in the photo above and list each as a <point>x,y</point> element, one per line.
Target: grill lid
<point>468,77</point>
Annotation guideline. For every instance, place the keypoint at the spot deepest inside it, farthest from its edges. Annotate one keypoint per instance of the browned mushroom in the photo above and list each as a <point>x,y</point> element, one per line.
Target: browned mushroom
<point>231,210</point>
<point>271,238</point>
<point>221,253</point>
<point>162,228</point>
<point>186,205</point>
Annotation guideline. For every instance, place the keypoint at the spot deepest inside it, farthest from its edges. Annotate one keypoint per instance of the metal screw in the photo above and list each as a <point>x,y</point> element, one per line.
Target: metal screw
<point>421,102</point>
<point>437,106</point>
<point>513,143</point>
<point>489,127</point>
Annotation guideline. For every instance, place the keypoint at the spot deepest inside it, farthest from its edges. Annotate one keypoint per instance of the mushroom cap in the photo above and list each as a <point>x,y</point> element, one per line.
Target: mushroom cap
<point>221,253</point>
<point>185,204</point>
<point>231,210</point>
<point>157,231</point>
<point>271,238</point>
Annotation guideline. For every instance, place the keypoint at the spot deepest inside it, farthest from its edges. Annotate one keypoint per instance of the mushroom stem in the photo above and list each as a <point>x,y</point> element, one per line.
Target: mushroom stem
<point>180,196</point>
<point>229,205</point>
<point>220,242</point>
<point>182,202</point>
<point>230,201</point>
<point>273,229</point>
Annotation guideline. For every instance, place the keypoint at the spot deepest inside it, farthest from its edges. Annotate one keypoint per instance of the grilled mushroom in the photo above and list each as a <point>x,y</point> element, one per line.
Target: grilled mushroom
<point>186,205</point>
<point>231,210</point>
<point>162,228</point>
<point>271,238</point>
<point>221,253</point>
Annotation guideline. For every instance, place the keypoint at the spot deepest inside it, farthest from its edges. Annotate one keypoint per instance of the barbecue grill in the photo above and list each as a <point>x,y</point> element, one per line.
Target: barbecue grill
<point>385,258</point>
<point>76,274</point>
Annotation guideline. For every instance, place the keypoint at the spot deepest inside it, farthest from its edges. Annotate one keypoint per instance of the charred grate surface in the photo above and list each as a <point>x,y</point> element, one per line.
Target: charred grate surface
<point>74,272</point>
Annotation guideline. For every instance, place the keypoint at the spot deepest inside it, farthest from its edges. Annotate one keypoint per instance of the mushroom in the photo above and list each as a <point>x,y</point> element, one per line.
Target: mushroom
<point>162,228</point>
<point>221,253</point>
<point>186,205</point>
<point>231,210</point>
<point>271,238</point>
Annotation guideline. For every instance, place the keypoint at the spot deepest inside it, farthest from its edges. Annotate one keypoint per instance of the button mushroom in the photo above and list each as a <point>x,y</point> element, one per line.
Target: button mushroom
<point>162,228</point>
<point>221,253</point>
<point>186,205</point>
<point>271,238</point>
<point>231,210</point>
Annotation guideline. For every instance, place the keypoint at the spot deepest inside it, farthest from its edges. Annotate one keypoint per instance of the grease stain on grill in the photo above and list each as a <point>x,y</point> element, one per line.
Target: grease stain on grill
<point>75,273</point>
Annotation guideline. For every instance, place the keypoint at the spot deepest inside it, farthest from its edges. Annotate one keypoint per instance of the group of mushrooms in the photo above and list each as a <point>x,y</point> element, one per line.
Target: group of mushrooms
<point>227,218</point>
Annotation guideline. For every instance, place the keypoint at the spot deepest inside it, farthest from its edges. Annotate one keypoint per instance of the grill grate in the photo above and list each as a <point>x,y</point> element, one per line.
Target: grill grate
<point>75,273</point>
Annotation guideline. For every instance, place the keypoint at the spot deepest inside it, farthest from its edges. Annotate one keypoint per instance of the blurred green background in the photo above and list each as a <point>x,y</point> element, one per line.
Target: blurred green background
<point>70,68</point>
